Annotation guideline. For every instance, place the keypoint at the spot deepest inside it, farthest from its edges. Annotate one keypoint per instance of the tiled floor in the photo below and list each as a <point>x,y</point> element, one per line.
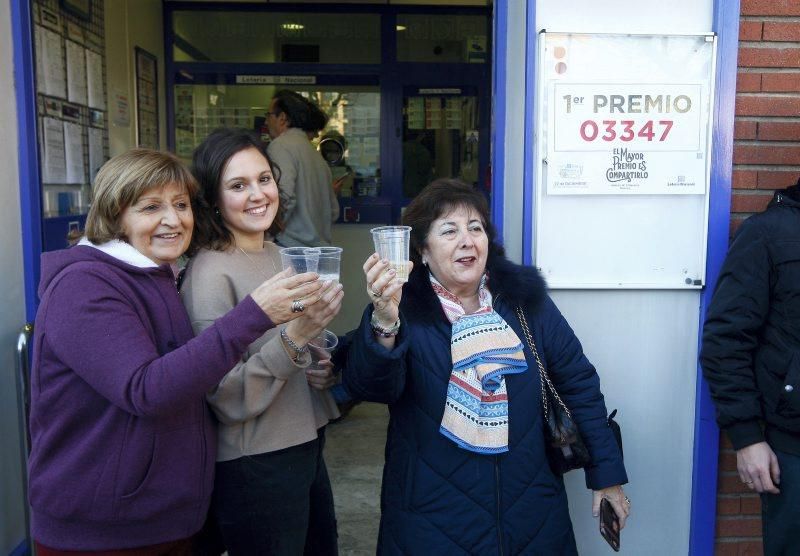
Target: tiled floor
<point>354,456</point>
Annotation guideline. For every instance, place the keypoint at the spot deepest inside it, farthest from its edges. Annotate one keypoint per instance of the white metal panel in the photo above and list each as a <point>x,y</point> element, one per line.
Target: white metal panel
<point>625,16</point>
<point>644,346</point>
<point>643,342</point>
<point>622,239</point>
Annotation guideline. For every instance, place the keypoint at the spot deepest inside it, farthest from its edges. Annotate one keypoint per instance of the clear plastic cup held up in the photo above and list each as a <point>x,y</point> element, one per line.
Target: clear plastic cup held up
<point>322,347</point>
<point>300,259</point>
<point>330,260</point>
<point>391,243</point>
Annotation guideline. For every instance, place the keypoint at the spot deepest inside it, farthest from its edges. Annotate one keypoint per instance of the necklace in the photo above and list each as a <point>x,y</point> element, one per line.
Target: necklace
<point>257,266</point>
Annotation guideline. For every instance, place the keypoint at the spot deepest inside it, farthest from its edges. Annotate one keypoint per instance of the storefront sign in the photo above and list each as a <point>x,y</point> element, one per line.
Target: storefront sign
<point>626,138</point>
<point>440,91</point>
<point>276,79</point>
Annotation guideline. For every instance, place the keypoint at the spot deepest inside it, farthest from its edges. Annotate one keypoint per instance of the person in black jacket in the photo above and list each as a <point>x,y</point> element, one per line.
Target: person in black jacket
<point>751,360</point>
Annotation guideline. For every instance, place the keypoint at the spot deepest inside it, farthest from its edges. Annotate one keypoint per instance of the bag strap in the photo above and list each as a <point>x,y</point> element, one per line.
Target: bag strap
<point>546,384</point>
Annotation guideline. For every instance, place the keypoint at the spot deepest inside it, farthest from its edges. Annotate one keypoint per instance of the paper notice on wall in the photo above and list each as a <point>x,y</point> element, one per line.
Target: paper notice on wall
<point>416,113</point>
<point>433,113</point>
<point>54,165</point>
<point>96,155</point>
<point>94,80</point>
<point>76,73</point>
<point>73,142</point>
<point>120,109</point>
<point>37,41</point>
<point>452,107</point>
<point>51,56</point>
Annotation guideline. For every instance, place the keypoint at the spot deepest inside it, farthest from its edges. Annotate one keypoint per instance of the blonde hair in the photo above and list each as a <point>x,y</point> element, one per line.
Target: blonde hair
<point>125,178</point>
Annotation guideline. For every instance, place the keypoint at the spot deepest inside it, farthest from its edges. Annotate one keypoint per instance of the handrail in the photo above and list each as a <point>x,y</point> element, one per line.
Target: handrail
<point>23,403</point>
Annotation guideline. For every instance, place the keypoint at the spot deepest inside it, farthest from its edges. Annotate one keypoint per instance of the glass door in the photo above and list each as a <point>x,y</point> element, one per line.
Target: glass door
<point>440,136</point>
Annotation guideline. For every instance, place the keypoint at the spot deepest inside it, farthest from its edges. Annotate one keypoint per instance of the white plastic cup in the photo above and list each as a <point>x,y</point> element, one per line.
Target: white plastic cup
<point>322,347</point>
<point>300,259</point>
<point>330,260</point>
<point>391,243</point>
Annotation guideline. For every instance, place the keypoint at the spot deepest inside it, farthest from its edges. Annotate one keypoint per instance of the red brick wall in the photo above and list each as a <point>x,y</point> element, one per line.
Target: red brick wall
<point>766,156</point>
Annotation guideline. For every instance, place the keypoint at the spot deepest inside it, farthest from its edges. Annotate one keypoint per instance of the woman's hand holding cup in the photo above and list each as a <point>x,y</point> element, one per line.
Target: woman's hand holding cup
<point>286,296</point>
<point>317,317</point>
<point>384,288</point>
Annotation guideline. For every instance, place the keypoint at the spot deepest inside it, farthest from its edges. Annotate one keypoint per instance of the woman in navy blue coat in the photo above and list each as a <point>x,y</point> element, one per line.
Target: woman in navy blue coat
<point>466,471</point>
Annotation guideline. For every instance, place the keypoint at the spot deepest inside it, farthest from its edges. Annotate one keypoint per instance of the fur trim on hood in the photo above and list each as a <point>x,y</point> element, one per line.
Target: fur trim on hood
<point>515,284</point>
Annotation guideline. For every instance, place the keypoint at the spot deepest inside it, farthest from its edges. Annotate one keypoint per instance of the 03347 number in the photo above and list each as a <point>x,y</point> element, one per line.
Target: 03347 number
<point>624,130</point>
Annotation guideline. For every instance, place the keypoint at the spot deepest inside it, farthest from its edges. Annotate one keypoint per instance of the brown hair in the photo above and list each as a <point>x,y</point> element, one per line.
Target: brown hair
<point>125,178</point>
<point>437,198</point>
<point>209,161</point>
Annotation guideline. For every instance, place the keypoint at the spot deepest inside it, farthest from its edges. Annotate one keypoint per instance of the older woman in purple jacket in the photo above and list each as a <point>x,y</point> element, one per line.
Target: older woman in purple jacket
<point>123,445</point>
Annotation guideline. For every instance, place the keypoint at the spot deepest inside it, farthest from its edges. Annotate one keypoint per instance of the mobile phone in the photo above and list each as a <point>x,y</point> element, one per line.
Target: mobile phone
<point>609,524</point>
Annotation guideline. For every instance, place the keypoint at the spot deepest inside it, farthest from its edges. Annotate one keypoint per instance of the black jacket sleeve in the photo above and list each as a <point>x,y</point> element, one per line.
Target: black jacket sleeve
<point>372,372</point>
<point>737,313</point>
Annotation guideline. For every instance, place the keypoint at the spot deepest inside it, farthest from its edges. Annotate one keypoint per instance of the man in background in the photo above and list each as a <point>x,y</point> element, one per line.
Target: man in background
<point>751,360</point>
<point>306,194</point>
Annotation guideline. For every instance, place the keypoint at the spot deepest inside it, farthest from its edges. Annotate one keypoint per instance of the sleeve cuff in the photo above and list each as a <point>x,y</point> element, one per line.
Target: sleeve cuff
<point>605,476</point>
<point>745,434</point>
<point>277,359</point>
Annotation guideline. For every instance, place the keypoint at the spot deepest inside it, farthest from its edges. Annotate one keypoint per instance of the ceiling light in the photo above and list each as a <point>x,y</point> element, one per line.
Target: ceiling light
<point>292,26</point>
<point>401,28</point>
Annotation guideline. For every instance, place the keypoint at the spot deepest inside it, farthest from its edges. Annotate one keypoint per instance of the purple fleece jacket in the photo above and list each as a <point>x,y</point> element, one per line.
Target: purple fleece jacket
<point>123,444</point>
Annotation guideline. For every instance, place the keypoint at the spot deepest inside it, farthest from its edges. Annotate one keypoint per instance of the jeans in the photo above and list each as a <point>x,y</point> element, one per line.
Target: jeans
<point>780,513</point>
<point>279,503</point>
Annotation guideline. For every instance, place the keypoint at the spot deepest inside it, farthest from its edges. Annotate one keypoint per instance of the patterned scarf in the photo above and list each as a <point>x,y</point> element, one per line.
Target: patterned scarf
<point>483,349</point>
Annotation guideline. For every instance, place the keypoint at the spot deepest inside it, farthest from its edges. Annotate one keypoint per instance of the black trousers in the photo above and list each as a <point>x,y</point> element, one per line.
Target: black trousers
<point>279,503</point>
<point>781,512</point>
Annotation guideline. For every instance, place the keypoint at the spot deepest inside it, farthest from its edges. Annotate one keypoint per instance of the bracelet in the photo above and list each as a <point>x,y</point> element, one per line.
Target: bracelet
<point>382,331</point>
<point>299,351</point>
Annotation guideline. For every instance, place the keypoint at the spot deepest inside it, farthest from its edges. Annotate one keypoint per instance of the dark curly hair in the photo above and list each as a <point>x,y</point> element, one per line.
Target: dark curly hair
<point>301,112</point>
<point>440,197</point>
<point>208,163</point>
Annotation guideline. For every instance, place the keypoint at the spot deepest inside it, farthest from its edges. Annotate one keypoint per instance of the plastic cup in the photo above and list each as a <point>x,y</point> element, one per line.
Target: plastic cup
<point>300,259</point>
<point>391,243</point>
<point>330,260</point>
<point>322,347</point>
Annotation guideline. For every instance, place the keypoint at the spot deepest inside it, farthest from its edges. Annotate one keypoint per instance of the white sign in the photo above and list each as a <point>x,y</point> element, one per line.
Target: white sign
<point>626,138</point>
<point>614,129</point>
<point>276,79</point>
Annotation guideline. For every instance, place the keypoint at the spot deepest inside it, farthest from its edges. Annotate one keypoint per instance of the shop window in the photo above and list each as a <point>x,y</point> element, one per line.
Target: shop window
<point>440,140</point>
<point>272,37</point>
<point>442,38</point>
<point>354,122</point>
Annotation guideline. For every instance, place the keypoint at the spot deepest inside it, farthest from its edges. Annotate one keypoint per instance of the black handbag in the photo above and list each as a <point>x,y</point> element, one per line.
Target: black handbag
<point>564,446</point>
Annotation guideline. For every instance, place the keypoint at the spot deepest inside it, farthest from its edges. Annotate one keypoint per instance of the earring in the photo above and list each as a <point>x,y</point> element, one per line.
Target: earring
<point>216,212</point>
<point>424,261</point>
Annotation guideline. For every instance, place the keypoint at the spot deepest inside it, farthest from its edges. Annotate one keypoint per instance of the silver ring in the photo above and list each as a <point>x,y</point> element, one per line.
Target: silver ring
<point>374,293</point>
<point>748,483</point>
<point>297,306</point>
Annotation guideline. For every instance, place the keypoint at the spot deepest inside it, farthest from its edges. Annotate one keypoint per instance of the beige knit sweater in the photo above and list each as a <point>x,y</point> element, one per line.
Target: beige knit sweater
<point>264,403</point>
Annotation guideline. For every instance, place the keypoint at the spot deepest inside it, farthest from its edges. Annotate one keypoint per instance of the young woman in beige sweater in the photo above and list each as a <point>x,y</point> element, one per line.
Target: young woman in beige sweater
<point>271,494</point>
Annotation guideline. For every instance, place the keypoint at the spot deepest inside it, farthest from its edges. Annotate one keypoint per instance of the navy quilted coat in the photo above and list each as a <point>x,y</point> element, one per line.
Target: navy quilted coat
<point>439,499</point>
